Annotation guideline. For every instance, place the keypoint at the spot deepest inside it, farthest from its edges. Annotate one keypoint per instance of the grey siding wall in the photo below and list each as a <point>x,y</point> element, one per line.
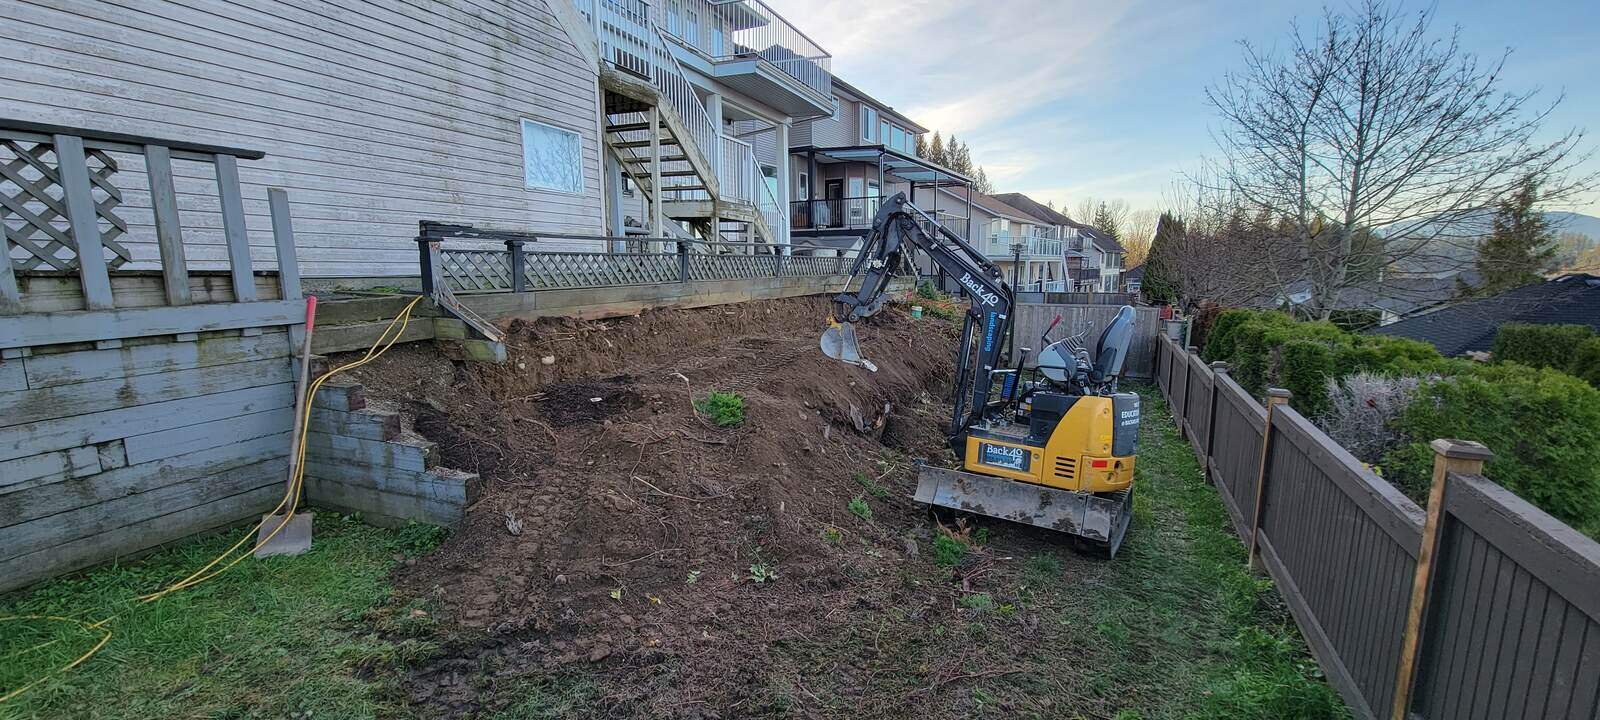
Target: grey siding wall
<point>374,114</point>
<point>828,132</point>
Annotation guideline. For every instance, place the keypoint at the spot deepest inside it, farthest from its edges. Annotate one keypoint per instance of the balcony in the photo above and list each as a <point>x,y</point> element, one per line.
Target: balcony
<point>1004,247</point>
<point>748,46</point>
<point>850,215</point>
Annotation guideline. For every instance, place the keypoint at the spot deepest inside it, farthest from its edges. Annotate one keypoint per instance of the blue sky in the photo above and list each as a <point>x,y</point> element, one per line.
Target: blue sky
<point>1064,99</point>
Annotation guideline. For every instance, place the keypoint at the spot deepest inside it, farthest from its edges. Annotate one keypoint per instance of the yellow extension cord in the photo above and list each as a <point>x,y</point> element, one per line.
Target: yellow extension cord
<point>291,499</point>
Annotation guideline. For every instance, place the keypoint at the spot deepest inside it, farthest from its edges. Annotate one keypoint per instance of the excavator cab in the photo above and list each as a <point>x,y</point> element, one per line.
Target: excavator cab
<point>1055,447</point>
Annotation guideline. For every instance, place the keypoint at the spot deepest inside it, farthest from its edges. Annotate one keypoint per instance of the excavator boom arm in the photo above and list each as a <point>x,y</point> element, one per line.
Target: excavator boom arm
<point>897,230</point>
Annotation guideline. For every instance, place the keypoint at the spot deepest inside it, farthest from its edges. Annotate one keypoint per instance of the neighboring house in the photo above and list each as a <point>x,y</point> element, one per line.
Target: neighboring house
<point>574,118</point>
<point>1133,279</point>
<point>847,162</point>
<point>1470,326</point>
<point>1093,259</point>
<point>1027,247</point>
<point>1389,299</point>
<point>372,115</point>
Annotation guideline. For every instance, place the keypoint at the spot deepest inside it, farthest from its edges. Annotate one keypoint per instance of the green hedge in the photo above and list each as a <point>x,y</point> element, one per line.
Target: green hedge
<point>1543,426</point>
<point>1270,349</point>
<point>1574,349</point>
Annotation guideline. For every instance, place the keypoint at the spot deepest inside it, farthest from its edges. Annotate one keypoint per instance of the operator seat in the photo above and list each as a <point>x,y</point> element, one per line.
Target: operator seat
<point>1112,348</point>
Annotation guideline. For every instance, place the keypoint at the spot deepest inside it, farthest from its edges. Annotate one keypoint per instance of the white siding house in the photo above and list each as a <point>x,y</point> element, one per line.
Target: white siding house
<point>374,115</point>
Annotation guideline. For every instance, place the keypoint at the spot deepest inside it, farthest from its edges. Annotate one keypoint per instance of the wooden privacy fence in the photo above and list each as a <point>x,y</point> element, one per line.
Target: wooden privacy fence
<point>1482,607</point>
<point>1033,318</point>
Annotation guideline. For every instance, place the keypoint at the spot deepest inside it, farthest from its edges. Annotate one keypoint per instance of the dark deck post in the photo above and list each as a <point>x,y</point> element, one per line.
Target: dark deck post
<point>1275,397</point>
<point>683,261</point>
<point>519,281</point>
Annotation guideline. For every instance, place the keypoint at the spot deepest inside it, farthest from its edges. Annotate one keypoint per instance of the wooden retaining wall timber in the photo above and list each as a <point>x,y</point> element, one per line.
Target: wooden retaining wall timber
<point>1482,607</point>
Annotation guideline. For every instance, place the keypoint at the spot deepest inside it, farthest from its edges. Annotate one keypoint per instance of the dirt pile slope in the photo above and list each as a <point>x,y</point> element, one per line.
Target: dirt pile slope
<point>619,527</point>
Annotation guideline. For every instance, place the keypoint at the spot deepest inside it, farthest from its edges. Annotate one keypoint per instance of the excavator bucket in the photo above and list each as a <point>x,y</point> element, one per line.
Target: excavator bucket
<point>839,343</point>
<point>1101,519</point>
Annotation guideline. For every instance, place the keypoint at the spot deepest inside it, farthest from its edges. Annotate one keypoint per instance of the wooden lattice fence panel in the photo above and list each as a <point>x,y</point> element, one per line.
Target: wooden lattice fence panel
<point>34,209</point>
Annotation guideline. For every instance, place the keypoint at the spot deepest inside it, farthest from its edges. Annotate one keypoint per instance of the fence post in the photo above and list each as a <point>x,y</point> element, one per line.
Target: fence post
<point>1275,397</point>
<point>1188,377</point>
<point>1449,456</point>
<point>1218,370</point>
<point>683,261</point>
<point>428,261</point>
<point>519,281</point>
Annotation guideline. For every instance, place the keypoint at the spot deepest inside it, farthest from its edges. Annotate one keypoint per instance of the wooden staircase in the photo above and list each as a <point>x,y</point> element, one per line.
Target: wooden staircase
<point>689,183</point>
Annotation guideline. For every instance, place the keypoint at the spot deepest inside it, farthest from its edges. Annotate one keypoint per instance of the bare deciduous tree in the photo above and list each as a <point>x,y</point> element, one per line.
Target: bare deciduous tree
<point>1372,126</point>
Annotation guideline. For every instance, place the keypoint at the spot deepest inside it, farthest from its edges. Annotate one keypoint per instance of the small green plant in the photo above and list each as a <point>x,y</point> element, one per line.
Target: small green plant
<point>762,572</point>
<point>1042,568</point>
<point>949,551</point>
<point>926,291</point>
<point>726,409</point>
<point>981,602</point>
<point>694,577</point>
<point>832,535</point>
<point>872,486</point>
<point>858,507</point>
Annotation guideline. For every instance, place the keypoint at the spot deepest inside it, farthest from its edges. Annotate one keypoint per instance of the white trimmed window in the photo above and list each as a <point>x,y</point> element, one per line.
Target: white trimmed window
<point>552,158</point>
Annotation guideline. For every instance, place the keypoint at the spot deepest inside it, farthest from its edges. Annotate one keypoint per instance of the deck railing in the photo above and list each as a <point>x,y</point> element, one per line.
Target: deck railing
<point>1482,606</point>
<point>516,266</point>
<point>1032,247</point>
<point>61,205</point>
<point>728,30</point>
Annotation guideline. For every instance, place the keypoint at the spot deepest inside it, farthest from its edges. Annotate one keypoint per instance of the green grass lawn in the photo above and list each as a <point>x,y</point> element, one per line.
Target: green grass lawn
<point>267,639</point>
<point>1186,631</point>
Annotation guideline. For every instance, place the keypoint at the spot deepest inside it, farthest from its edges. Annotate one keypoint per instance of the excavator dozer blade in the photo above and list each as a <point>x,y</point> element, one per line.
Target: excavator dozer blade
<point>839,343</point>
<point>1102,519</point>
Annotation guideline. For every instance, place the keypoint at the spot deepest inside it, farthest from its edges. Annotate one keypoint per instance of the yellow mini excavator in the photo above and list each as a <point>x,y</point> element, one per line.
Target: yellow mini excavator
<point>1051,445</point>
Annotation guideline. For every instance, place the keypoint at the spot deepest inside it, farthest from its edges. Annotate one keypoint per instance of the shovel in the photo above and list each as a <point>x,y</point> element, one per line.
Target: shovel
<point>839,343</point>
<point>291,534</point>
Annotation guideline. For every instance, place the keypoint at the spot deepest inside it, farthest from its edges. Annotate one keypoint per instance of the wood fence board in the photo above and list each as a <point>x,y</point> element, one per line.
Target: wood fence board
<point>45,501</point>
<point>52,328</point>
<point>193,438</point>
<point>99,427</point>
<point>1559,556</point>
<point>90,365</point>
<point>13,375</point>
<point>46,534</point>
<point>1393,511</point>
<point>1338,675</point>
<point>131,540</point>
<point>72,462</point>
<point>1032,318</point>
<point>90,397</point>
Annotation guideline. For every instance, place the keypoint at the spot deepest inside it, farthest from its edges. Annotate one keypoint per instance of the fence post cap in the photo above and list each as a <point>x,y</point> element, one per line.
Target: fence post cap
<point>1219,365</point>
<point>1461,450</point>
<point>1278,395</point>
<point>1193,349</point>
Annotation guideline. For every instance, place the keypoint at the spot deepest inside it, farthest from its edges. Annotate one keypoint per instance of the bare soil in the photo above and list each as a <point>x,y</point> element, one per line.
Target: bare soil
<point>691,571</point>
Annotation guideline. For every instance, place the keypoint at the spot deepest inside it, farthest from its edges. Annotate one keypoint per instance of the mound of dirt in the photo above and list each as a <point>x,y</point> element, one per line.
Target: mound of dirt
<point>620,530</point>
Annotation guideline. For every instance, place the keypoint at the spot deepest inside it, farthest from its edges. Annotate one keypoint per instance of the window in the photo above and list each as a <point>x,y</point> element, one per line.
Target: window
<point>803,188</point>
<point>872,197</point>
<point>769,174</point>
<point>691,27</point>
<point>552,158</point>
<point>869,124</point>
<point>884,129</point>
<point>836,105</point>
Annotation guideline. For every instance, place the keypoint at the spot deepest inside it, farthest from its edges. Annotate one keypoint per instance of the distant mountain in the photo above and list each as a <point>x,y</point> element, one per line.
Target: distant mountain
<point>1575,222</point>
<point>1455,249</point>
